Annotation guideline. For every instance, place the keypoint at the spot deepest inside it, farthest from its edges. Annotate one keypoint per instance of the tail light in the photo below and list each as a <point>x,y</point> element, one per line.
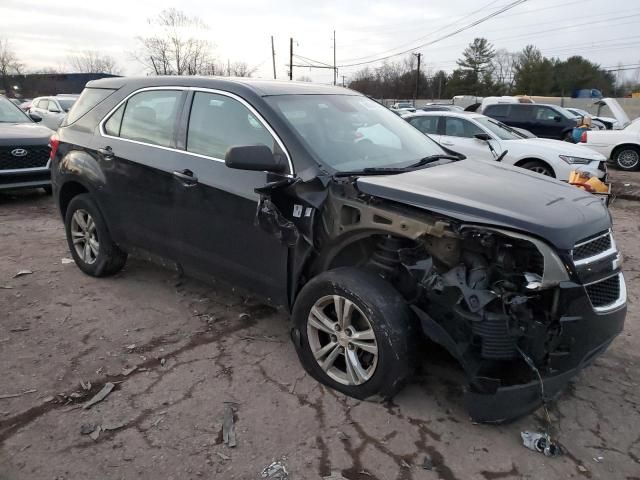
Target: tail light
<point>54,142</point>
<point>583,137</point>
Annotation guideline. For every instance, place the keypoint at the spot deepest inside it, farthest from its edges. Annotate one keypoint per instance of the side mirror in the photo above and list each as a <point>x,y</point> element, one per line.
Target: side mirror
<point>254,157</point>
<point>557,118</point>
<point>35,117</point>
<point>485,137</point>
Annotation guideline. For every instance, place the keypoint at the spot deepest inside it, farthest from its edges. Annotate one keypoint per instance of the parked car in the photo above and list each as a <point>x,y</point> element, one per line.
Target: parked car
<point>546,121</point>
<point>622,147</point>
<point>403,107</point>
<point>25,105</point>
<point>598,123</point>
<point>440,107</point>
<point>52,109</point>
<point>15,101</point>
<point>266,185</point>
<point>481,137</point>
<point>24,150</point>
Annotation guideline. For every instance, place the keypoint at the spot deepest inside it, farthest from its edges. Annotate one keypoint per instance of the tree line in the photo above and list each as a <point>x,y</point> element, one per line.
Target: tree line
<point>176,46</point>
<point>482,70</point>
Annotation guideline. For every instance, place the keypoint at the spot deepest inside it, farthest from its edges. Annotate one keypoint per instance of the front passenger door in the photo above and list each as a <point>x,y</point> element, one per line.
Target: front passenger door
<point>216,216</point>
<point>459,135</point>
<point>427,124</point>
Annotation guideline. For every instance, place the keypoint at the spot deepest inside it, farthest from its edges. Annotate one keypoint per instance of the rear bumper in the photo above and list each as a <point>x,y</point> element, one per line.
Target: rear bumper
<point>27,178</point>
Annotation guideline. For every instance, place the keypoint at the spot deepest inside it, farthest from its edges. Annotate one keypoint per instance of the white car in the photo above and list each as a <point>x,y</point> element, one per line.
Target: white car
<point>53,109</point>
<point>403,107</point>
<point>621,146</point>
<point>480,137</point>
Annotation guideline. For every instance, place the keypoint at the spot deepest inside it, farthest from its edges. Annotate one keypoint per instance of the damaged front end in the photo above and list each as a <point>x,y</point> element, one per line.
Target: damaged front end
<point>519,316</point>
<point>515,313</point>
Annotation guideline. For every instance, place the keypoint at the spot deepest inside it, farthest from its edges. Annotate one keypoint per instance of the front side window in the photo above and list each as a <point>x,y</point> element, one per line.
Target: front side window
<point>428,125</point>
<point>53,107</point>
<point>498,110</point>
<point>148,117</point>
<point>545,114</point>
<point>43,104</point>
<point>352,132</point>
<point>457,127</point>
<point>218,122</point>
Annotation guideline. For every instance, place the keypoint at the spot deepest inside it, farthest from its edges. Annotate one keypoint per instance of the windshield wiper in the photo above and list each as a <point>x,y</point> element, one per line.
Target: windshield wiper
<point>392,170</point>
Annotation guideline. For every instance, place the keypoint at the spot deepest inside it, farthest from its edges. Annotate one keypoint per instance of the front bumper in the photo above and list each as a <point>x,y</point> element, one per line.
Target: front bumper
<point>26,178</point>
<point>584,334</point>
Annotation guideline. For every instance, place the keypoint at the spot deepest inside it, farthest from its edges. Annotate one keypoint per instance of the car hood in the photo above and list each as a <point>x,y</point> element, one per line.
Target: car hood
<point>490,193</point>
<point>552,147</point>
<point>23,134</point>
<point>616,109</point>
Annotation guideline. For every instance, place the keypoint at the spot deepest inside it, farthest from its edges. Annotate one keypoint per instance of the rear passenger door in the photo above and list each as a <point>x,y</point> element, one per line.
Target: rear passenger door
<point>216,216</point>
<point>138,158</point>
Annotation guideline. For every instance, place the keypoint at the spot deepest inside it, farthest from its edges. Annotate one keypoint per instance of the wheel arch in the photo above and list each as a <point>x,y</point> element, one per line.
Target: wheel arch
<point>620,146</point>
<point>523,161</point>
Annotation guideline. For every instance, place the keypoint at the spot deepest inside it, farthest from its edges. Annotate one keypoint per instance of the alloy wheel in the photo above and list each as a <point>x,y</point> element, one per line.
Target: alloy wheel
<point>542,170</point>
<point>342,340</point>
<point>628,159</point>
<point>85,236</point>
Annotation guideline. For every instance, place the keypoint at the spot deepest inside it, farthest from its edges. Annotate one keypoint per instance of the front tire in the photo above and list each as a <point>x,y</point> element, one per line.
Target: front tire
<point>539,167</point>
<point>627,158</point>
<point>89,241</point>
<point>356,333</point>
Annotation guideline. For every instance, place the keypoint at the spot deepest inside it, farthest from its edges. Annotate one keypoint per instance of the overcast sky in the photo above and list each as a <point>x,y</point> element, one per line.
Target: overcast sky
<point>44,33</point>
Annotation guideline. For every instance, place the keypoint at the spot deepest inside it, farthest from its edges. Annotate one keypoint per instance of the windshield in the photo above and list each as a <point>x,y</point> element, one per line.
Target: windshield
<point>500,130</point>
<point>352,132</point>
<point>9,113</point>
<point>66,103</point>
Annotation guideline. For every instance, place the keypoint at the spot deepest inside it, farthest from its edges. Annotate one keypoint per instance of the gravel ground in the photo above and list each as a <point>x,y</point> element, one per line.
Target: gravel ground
<point>199,348</point>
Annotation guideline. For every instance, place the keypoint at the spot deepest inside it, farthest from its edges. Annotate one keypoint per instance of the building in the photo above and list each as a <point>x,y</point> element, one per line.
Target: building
<point>39,84</point>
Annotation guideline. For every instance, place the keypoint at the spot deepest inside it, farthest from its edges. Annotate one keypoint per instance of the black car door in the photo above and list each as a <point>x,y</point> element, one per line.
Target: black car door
<point>216,215</point>
<point>137,157</point>
<point>548,122</point>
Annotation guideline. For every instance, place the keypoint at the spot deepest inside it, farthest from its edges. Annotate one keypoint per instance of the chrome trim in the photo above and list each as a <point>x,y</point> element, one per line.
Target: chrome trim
<point>33,169</point>
<point>622,299</point>
<point>612,250</point>
<point>195,89</point>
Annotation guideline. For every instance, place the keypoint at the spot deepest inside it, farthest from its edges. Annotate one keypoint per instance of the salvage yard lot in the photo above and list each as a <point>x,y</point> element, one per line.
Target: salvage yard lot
<point>200,345</point>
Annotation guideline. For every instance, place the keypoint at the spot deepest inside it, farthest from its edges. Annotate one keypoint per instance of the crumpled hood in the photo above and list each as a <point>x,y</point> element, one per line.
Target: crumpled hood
<point>24,134</point>
<point>490,193</point>
<point>557,147</point>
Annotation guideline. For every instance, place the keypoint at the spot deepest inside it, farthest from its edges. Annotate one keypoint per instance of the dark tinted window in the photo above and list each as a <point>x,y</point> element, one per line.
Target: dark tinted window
<point>457,127</point>
<point>425,124</point>
<point>112,126</point>
<point>497,110</point>
<point>89,98</point>
<point>520,112</point>
<point>218,122</point>
<point>150,117</point>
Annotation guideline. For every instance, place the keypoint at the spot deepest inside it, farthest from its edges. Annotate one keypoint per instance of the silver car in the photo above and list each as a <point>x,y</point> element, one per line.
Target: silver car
<point>52,109</point>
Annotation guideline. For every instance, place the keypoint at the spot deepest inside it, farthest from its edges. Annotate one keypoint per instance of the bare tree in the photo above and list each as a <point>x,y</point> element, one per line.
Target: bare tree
<point>173,50</point>
<point>503,68</point>
<point>91,61</point>
<point>9,64</point>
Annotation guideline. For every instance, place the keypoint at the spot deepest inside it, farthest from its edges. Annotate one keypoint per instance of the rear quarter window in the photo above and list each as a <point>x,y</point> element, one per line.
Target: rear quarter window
<point>89,98</point>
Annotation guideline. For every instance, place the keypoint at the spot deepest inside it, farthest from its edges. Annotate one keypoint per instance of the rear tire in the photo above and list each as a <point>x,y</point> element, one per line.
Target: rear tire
<point>627,158</point>
<point>89,241</point>
<point>369,350</point>
<point>539,167</point>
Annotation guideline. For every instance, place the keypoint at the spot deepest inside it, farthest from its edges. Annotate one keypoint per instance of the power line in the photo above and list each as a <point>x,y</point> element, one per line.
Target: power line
<point>462,29</point>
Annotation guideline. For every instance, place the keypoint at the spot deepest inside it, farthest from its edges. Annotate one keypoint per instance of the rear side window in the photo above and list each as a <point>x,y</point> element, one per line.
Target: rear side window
<point>497,110</point>
<point>520,112</point>
<point>148,117</point>
<point>89,98</point>
<point>218,122</point>
<point>426,124</point>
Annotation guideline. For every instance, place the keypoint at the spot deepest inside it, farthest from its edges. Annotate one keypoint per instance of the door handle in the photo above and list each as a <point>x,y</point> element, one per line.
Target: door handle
<point>106,152</point>
<point>448,144</point>
<point>186,177</point>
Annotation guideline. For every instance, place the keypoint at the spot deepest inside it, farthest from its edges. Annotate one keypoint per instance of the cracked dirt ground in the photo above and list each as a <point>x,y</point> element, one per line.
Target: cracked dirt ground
<point>195,351</point>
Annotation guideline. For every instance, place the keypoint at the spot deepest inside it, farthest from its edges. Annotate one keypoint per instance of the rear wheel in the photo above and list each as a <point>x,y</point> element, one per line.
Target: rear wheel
<point>539,167</point>
<point>89,241</point>
<point>627,158</point>
<point>355,333</point>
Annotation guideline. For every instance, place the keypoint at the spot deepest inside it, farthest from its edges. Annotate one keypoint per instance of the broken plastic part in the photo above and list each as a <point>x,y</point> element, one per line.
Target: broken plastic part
<point>540,442</point>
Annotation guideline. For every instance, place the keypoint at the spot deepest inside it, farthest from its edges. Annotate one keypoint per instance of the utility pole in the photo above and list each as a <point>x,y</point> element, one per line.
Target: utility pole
<point>343,77</point>
<point>419,55</point>
<point>291,58</point>
<point>335,70</point>
<point>439,87</point>
<point>273,56</point>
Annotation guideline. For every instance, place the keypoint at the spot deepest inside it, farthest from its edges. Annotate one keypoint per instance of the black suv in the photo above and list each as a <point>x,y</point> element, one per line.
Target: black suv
<point>322,200</point>
<point>546,121</point>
